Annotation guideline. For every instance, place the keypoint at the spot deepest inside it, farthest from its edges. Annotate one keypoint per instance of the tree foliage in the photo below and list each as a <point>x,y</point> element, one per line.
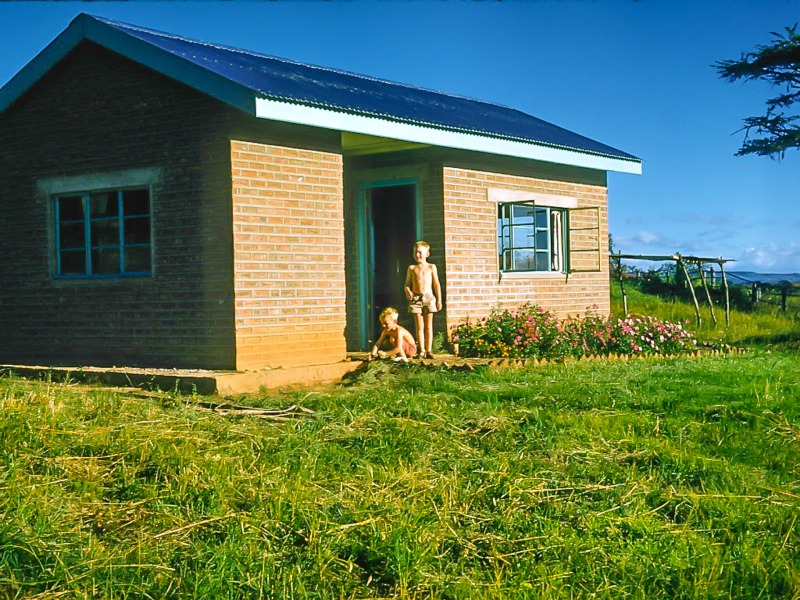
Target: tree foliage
<point>779,64</point>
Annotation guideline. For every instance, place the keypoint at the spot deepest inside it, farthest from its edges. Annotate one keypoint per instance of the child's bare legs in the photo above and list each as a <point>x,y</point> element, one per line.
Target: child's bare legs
<point>420,333</point>
<point>428,337</point>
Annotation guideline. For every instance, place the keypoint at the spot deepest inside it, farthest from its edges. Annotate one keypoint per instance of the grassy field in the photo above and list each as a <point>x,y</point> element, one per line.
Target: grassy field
<point>761,328</point>
<point>654,478</point>
<point>649,479</point>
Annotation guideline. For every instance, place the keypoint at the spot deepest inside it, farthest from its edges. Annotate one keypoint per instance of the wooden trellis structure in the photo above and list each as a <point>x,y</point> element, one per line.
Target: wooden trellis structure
<point>680,263</point>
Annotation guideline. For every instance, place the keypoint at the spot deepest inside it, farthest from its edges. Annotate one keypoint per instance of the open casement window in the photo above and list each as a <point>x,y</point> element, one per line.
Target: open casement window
<point>585,252</point>
<point>102,233</point>
<point>548,239</point>
<point>531,238</point>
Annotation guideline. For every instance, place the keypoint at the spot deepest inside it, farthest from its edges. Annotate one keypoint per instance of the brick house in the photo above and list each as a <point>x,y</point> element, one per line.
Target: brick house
<point>172,203</point>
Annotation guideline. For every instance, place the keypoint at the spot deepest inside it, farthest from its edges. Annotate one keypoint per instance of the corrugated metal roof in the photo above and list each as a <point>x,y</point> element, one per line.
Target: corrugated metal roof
<point>297,83</point>
<point>283,79</point>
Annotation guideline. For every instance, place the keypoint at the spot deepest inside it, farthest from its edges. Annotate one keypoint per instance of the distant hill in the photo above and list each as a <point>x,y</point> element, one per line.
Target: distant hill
<point>746,277</point>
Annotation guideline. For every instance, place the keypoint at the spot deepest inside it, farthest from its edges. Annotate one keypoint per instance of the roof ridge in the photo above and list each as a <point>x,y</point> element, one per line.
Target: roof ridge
<point>166,34</point>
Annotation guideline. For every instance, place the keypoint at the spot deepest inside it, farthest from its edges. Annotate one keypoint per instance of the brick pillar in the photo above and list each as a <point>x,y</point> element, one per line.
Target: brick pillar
<point>288,238</point>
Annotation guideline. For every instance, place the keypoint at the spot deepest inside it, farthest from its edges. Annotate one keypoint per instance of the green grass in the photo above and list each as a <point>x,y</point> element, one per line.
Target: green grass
<point>768,326</point>
<point>657,478</point>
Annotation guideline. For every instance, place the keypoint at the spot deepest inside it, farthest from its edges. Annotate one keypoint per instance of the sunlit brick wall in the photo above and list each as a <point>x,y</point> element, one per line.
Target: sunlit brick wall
<point>474,284</point>
<point>288,236</point>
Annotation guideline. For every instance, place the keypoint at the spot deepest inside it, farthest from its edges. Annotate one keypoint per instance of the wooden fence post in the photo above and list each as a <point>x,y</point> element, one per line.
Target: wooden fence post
<point>622,287</point>
<point>784,293</point>
<point>708,294</point>
<point>691,288</point>
<point>727,295</point>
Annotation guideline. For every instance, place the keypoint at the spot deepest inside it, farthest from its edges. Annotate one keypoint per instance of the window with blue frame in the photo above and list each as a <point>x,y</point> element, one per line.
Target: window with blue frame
<point>531,237</point>
<point>103,233</point>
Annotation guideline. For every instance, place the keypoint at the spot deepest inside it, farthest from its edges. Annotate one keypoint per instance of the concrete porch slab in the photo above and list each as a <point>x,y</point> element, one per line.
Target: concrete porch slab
<point>224,383</point>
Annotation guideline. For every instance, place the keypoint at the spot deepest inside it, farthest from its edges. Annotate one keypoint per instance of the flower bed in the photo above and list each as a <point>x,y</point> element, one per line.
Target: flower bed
<point>532,332</point>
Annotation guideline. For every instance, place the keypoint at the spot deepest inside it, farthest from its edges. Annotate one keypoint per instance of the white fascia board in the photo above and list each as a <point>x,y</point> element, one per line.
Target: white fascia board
<point>342,121</point>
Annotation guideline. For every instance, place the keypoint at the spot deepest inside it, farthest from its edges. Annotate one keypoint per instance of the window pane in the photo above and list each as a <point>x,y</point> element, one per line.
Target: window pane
<point>73,262</point>
<point>542,239</point>
<point>137,259</point>
<point>137,230</point>
<point>72,235</point>
<point>70,208</point>
<point>523,214</point>
<point>542,261</point>
<point>105,261</point>
<point>136,202</point>
<point>524,260</point>
<point>104,204</point>
<point>522,237</point>
<point>105,232</point>
<point>541,217</point>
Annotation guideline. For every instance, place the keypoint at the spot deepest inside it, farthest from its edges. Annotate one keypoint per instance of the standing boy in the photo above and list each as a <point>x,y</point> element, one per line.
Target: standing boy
<point>395,341</point>
<point>424,296</point>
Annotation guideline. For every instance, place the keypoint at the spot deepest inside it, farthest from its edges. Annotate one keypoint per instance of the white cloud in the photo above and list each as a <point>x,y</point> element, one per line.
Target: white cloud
<point>771,258</point>
<point>644,242</point>
<point>648,238</point>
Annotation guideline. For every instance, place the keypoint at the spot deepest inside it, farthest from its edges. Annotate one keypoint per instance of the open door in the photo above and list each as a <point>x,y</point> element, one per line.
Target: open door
<point>391,219</point>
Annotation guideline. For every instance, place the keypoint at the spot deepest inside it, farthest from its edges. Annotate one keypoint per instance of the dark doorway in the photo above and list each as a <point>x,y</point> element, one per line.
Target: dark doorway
<point>393,229</point>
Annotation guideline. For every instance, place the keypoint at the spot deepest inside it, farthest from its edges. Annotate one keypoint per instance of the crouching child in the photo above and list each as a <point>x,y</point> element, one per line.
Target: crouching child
<point>395,342</point>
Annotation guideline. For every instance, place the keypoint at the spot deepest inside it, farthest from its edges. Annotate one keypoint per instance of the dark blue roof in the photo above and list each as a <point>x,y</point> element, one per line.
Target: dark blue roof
<point>276,88</point>
<point>286,80</point>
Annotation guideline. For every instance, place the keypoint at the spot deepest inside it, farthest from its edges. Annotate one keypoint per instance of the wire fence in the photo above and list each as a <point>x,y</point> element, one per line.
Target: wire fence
<point>745,293</point>
<point>775,294</point>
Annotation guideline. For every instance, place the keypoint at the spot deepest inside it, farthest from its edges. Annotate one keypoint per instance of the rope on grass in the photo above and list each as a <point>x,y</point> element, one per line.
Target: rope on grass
<point>264,413</point>
<point>192,525</point>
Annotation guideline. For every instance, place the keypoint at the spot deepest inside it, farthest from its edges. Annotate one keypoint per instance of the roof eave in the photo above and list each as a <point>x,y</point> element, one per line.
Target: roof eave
<point>371,125</point>
<point>85,27</point>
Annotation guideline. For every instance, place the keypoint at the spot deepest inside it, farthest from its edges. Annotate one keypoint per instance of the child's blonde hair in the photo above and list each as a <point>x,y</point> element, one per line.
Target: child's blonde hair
<point>422,243</point>
<point>388,311</point>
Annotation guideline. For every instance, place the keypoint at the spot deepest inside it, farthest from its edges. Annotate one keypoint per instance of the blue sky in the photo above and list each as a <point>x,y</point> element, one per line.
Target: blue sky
<point>634,75</point>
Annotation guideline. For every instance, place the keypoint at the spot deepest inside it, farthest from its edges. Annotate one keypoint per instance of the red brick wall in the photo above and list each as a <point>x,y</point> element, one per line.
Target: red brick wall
<point>97,113</point>
<point>288,255</point>
<point>460,223</point>
<point>474,285</point>
<point>247,272</point>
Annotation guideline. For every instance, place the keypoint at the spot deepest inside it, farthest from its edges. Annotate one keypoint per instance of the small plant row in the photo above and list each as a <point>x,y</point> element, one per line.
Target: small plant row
<point>533,332</point>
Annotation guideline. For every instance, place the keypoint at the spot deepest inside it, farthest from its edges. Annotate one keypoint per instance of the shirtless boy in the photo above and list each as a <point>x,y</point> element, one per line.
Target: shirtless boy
<point>397,340</point>
<point>424,296</point>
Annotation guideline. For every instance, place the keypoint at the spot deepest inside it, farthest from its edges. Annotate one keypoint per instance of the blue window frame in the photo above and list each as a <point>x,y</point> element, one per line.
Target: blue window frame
<point>531,238</point>
<point>103,233</point>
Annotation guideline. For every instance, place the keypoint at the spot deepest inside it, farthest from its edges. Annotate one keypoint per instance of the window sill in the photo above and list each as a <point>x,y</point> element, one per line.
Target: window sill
<point>532,275</point>
<point>99,280</point>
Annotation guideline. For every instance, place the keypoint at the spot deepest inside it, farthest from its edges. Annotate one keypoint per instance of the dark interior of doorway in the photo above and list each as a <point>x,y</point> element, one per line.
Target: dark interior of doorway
<point>394,218</point>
